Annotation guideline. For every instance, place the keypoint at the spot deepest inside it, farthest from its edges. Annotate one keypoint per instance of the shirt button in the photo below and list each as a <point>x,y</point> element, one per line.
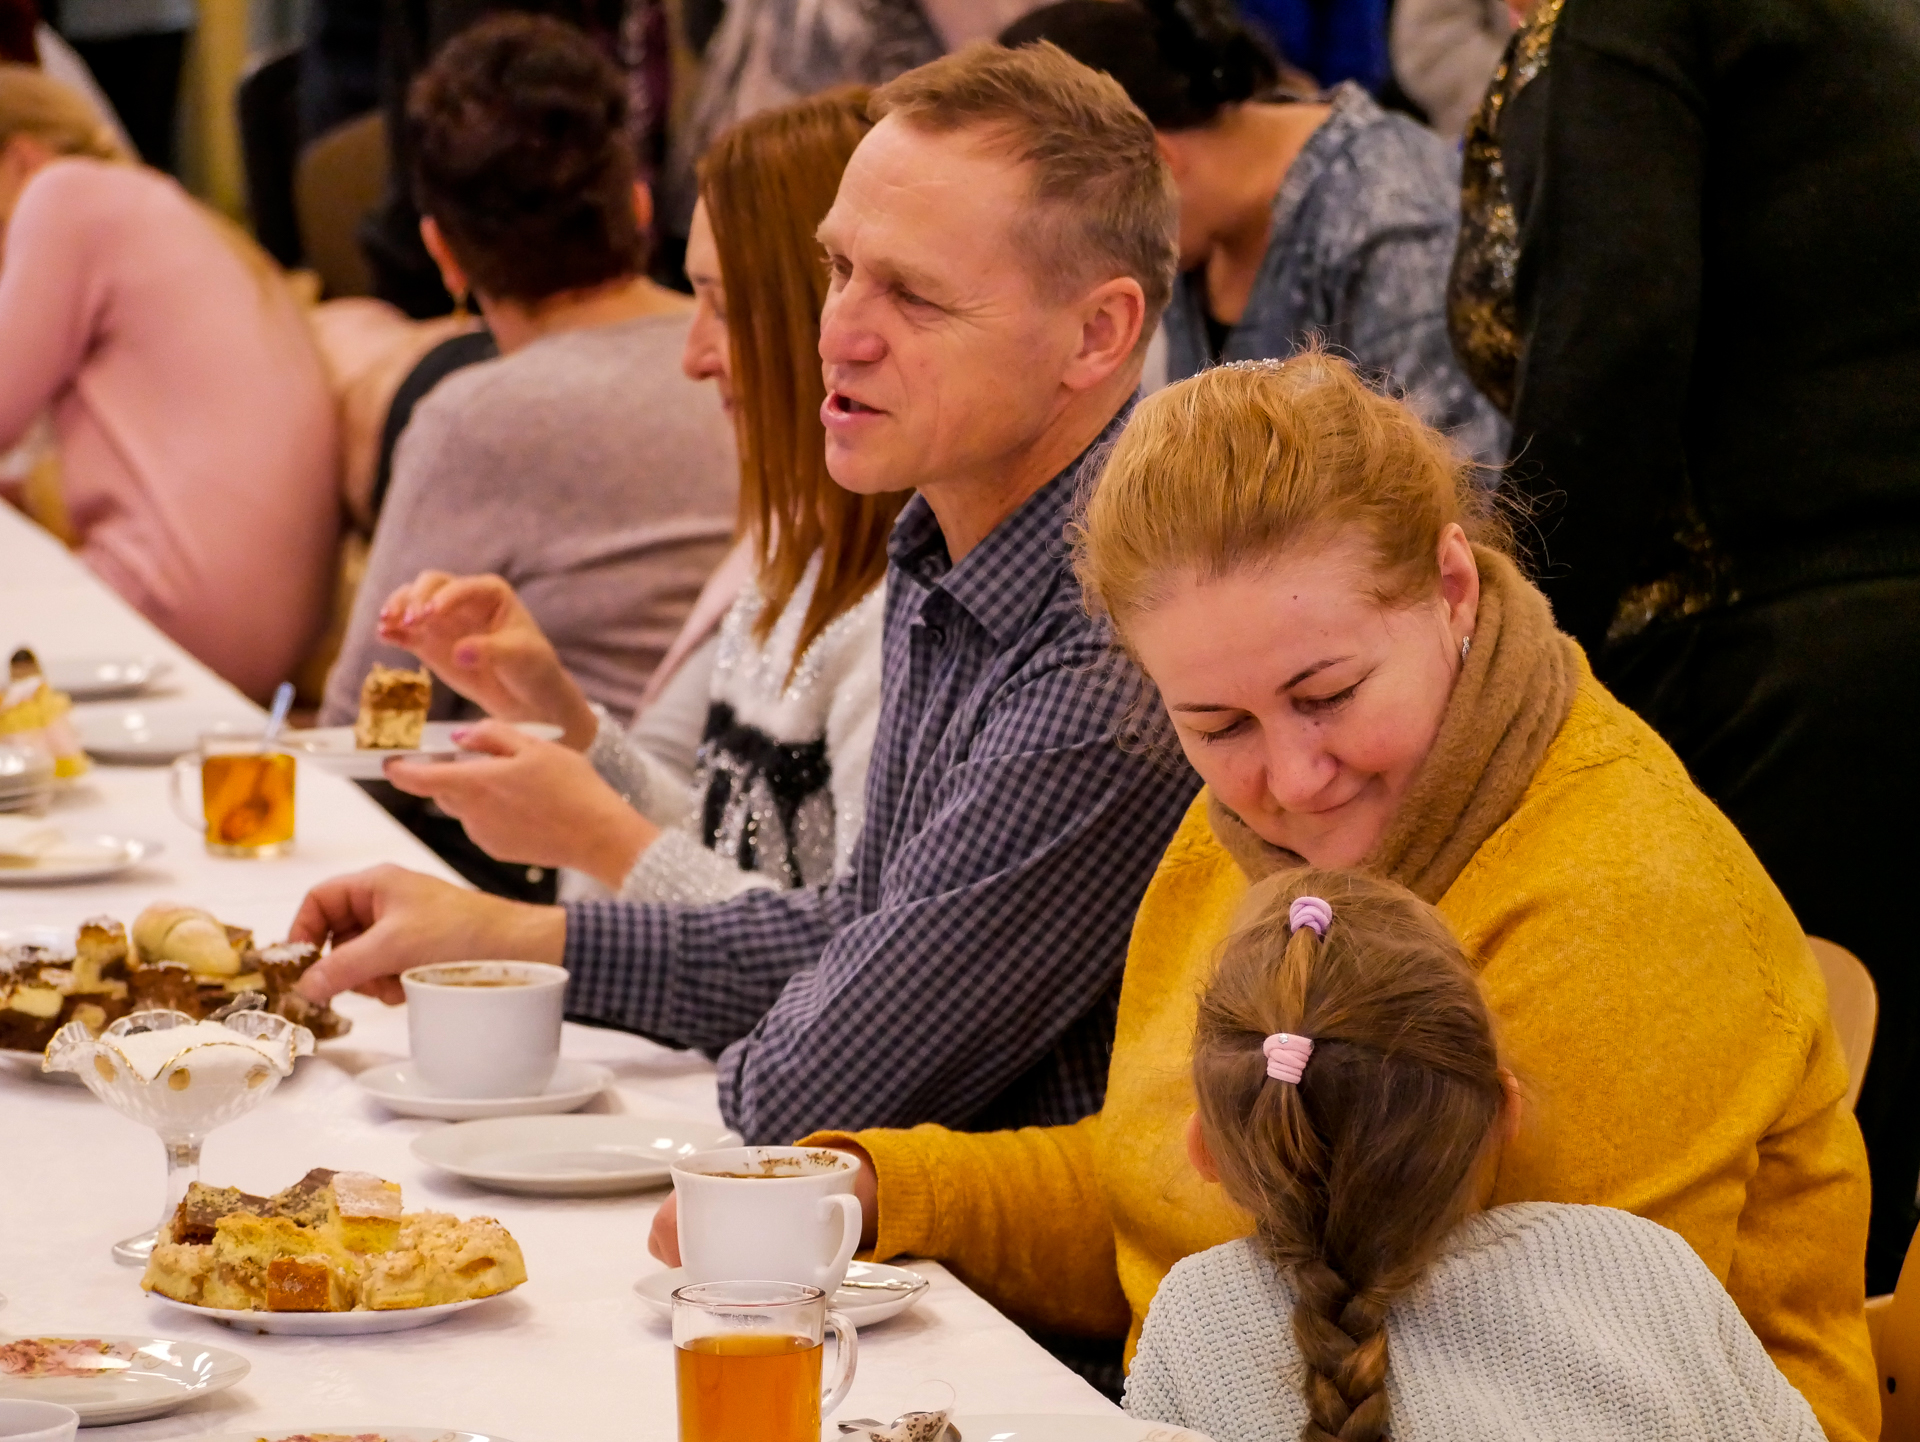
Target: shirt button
<point>937,635</point>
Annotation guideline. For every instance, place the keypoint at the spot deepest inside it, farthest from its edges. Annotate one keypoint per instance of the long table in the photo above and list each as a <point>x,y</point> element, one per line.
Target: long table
<point>574,1355</point>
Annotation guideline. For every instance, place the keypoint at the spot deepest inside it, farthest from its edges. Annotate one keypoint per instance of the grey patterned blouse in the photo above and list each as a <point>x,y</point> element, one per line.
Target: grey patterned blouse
<point>1363,236</point>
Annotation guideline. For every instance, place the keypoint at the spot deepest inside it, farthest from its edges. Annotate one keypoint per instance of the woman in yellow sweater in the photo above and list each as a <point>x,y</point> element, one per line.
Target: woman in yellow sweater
<point>1289,557</point>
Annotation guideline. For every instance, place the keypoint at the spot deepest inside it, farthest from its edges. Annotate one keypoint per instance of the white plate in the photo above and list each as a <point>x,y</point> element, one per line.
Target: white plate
<point>332,748</point>
<point>588,1156</point>
<point>104,678</point>
<point>385,1433</point>
<point>862,1305</point>
<point>148,1377</point>
<point>1063,1427</point>
<point>82,858</point>
<point>328,1324</point>
<point>149,738</point>
<point>398,1088</point>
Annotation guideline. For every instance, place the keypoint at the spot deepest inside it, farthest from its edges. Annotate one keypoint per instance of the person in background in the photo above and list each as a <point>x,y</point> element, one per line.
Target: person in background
<point>195,427</point>
<point>781,704</point>
<point>1352,1103</point>
<point>1326,220</point>
<point>1362,687</point>
<point>1333,41</point>
<point>135,50</point>
<point>1444,54</point>
<point>964,968</point>
<point>581,466</point>
<point>1719,372</point>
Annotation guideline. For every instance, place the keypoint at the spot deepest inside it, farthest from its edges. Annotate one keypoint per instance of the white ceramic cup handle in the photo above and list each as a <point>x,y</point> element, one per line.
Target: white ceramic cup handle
<point>184,766</point>
<point>846,1356</point>
<point>850,1223</point>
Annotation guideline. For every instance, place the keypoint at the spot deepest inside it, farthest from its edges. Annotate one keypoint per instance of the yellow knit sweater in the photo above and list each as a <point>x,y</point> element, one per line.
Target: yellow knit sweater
<point>1653,992</point>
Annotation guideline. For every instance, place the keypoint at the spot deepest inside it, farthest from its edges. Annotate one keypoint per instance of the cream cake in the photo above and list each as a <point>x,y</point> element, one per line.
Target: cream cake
<point>393,709</point>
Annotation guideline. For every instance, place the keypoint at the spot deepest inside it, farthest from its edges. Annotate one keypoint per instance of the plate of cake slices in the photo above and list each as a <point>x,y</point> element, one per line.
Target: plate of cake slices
<point>331,1255</point>
<point>178,958</point>
<point>110,1378</point>
<point>368,1433</point>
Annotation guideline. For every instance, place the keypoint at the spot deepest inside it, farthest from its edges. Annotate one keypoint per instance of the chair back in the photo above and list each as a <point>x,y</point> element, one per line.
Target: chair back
<point>1855,1007</point>
<point>1895,1324</point>
<point>341,177</point>
<point>266,107</point>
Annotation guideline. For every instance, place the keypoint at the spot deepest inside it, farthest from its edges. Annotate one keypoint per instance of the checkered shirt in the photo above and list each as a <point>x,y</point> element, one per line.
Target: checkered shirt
<point>966,970</point>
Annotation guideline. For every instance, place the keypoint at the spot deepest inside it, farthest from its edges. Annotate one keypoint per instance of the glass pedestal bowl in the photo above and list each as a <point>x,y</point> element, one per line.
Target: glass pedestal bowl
<point>221,1072</point>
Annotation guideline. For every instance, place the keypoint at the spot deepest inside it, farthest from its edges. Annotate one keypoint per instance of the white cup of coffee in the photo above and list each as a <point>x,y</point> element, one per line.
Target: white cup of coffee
<point>37,1422</point>
<point>768,1214</point>
<point>485,1029</point>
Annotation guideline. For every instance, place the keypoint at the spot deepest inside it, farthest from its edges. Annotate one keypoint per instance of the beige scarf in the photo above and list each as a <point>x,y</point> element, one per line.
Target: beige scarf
<point>1509,702</point>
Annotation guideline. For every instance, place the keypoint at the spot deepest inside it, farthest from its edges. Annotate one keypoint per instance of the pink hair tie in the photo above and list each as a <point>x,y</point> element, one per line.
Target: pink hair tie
<point>1310,911</point>
<point>1287,1056</point>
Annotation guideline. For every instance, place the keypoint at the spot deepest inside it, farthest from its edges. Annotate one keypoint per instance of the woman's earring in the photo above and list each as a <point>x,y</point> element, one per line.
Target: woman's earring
<point>1466,645</point>
<point>460,311</point>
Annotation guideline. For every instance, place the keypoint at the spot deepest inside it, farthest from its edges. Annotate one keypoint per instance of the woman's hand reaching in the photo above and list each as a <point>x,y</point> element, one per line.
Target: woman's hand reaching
<point>475,635</point>
<point>532,802</point>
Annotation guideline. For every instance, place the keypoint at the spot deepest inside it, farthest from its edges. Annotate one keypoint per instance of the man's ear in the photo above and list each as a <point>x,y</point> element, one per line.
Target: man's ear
<point>1111,317</point>
<point>451,273</point>
<point>1198,1152</point>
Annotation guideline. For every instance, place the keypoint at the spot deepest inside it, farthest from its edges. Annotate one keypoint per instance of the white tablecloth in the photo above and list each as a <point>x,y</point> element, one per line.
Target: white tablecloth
<point>573,1356</point>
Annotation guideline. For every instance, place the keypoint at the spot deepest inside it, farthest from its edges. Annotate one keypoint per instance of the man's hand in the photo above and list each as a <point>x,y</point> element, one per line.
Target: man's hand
<point>475,635</point>
<point>539,804</point>
<point>663,1240</point>
<point>384,921</point>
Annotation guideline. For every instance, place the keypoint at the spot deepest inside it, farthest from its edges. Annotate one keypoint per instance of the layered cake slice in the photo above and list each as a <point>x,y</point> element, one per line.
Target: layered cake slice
<point>393,709</point>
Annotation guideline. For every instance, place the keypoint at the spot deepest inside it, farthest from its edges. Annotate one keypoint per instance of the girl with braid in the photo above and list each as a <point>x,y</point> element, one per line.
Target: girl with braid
<point>1352,1102</point>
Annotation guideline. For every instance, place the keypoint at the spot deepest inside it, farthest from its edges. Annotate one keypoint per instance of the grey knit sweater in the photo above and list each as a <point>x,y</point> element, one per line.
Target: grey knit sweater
<point>1540,1321</point>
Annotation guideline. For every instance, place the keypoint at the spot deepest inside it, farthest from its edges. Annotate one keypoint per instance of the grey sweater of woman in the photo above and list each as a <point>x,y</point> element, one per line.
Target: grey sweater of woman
<point>1541,1320</point>
<point>587,471</point>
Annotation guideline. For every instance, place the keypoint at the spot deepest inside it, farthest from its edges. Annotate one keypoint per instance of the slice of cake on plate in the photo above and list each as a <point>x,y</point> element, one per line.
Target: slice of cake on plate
<point>393,709</point>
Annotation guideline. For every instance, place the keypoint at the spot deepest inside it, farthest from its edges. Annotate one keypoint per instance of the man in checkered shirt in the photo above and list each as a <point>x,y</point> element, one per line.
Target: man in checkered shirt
<point>979,343</point>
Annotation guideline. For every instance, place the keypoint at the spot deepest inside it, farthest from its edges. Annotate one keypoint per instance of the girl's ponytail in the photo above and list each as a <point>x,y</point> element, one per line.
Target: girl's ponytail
<point>1357,1171</point>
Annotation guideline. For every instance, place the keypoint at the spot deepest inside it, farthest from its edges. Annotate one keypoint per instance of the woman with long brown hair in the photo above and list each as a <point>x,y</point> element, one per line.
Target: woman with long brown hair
<point>749,768</point>
<point>1352,1103</point>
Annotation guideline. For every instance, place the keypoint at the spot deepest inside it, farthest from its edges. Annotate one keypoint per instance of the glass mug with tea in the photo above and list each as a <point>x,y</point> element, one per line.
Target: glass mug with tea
<point>747,1360</point>
<point>246,795</point>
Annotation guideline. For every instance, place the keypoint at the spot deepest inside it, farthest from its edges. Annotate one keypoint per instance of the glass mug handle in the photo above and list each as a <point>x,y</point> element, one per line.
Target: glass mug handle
<point>846,1356</point>
<point>183,767</point>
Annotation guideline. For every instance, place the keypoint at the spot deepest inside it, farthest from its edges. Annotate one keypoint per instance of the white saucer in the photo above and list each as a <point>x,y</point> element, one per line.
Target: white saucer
<point>1065,1427</point>
<point>862,1305</point>
<point>354,1429</point>
<point>331,747</point>
<point>141,1377</point>
<point>104,678</point>
<point>140,737</point>
<point>590,1156</point>
<point>81,858</point>
<point>329,1324</point>
<point>398,1088</point>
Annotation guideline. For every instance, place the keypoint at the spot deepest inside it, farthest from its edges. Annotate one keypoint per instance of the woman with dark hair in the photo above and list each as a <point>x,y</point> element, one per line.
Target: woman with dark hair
<point>782,703</point>
<point>1322,218</point>
<point>581,467</point>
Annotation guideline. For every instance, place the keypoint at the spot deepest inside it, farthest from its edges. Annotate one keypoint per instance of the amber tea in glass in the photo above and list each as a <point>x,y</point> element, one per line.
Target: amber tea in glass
<point>748,1360</point>
<point>246,796</point>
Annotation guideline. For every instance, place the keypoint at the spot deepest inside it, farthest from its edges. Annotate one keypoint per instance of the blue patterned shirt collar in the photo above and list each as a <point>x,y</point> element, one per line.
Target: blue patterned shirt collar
<point>1005,580</point>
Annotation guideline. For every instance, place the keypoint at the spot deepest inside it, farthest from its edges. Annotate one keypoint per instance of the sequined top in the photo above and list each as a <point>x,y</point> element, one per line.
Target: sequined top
<point>966,969</point>
<point>778,789</point>
<point>1363,232</point>
<point>1480,291</point>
